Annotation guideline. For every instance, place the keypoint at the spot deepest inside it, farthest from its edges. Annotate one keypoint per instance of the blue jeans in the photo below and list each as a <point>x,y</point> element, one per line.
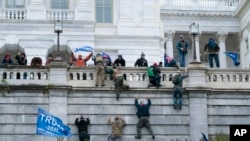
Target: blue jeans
<point>155,80</point>
<point>84,137</point>
<point>182,59</point>
<point>216,58</point>
<point>113,138</point>
<point>177,95</point>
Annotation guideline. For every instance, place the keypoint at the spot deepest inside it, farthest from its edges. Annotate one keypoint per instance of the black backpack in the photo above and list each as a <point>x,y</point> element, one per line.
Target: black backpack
<point>176,79</point>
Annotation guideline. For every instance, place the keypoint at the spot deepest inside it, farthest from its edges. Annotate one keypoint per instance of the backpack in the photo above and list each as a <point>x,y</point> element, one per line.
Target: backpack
<point>150,71</point>
<point>176,79</point>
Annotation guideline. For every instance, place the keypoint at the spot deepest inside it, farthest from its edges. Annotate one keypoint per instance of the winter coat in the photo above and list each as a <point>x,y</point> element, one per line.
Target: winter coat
<point>117,127</point>
<point>143,110</point>
<point>82,125</point>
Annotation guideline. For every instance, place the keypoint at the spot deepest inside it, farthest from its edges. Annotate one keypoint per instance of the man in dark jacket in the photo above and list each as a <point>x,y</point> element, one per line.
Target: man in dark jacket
<point>178,90</point>
<point>21,58</point>
<point>141,62</point>
<point>82,125</point>
<point>212,49</point>
<point>143,115</point>
<point>119,61</point>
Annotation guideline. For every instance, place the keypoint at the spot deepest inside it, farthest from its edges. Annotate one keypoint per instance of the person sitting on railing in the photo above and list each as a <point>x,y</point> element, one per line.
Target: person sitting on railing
<point>49,60</point>
<point>80,62</point>
<point>170,61</point>
<point>21,58</point>
<point>153,73</point>
<point>36,62</point>
<point>7,60</point>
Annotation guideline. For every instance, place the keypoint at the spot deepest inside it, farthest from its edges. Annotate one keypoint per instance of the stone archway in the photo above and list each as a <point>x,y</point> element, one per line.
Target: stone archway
<point>12,50</point>
<point>65,52</point>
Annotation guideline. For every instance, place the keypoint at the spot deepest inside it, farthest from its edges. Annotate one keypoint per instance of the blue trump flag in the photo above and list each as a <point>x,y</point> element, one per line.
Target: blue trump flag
<point>234,56</point>
<point>50,125</point>
<point>84,49</point>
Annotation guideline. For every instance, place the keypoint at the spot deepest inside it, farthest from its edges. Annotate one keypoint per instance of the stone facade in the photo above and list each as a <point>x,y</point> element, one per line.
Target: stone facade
<point>138,26</point>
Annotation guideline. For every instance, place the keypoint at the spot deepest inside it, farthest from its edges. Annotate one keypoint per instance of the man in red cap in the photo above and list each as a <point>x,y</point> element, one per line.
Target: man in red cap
<point>7,60</point>
<point>154,74</point>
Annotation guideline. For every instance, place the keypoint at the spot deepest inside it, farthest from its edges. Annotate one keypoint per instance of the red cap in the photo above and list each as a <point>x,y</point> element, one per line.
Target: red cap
<point>155,64</point>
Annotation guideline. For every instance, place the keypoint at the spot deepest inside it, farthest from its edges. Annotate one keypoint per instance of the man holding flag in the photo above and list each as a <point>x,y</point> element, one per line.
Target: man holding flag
<point>81,61</point>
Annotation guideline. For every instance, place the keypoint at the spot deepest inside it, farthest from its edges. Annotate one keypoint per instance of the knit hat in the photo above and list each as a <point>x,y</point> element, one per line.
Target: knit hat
<point>120,55</point>
<point>116,118</point>
<point>7,55</point>
<point>142,54</point>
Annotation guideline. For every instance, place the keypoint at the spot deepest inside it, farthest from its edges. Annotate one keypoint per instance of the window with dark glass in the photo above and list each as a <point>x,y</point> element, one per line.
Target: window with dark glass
<point>59,4</point>
<point>15,3</point>
<point>104,11</point>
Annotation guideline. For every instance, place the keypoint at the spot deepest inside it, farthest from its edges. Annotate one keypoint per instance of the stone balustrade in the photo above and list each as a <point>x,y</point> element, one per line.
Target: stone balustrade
<point>204,3</point>
<point>13,14</point>
<point>60,14</point>
<point>135,77</point>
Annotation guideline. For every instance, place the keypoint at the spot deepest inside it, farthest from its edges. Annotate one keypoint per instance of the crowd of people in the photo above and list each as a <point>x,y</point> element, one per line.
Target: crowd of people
<point>211,49</point>
<point>118,123</point>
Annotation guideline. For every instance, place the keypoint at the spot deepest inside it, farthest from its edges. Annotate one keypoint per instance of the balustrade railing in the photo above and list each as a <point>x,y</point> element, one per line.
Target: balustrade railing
<point>24,73</point>
<point>215,78</point>
<point>60,14</point>
<point>18,14</point>
<point>200,3</point>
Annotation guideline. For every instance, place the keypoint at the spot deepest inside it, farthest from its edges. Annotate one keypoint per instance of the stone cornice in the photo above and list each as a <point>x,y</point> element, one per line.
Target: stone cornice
<point>44,26</point>
<point>197,13</point>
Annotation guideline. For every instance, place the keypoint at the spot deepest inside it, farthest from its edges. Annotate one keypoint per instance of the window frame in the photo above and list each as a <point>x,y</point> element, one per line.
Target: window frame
<point>60,8</point>
<point>15,6</point>
<point>103,14</point>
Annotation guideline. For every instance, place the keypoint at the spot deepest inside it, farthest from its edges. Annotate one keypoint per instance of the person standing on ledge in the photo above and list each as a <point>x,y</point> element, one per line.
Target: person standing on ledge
<point>212,49</point>
<point>182,46</point>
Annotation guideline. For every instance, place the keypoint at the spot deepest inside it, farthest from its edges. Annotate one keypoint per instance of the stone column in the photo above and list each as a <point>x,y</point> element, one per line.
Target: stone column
<point>222,57</point>
<point>197,46</point>
<point>197,101</point>
<point>169,43</point>
<point>242,51</point>
<point>58,95</point>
